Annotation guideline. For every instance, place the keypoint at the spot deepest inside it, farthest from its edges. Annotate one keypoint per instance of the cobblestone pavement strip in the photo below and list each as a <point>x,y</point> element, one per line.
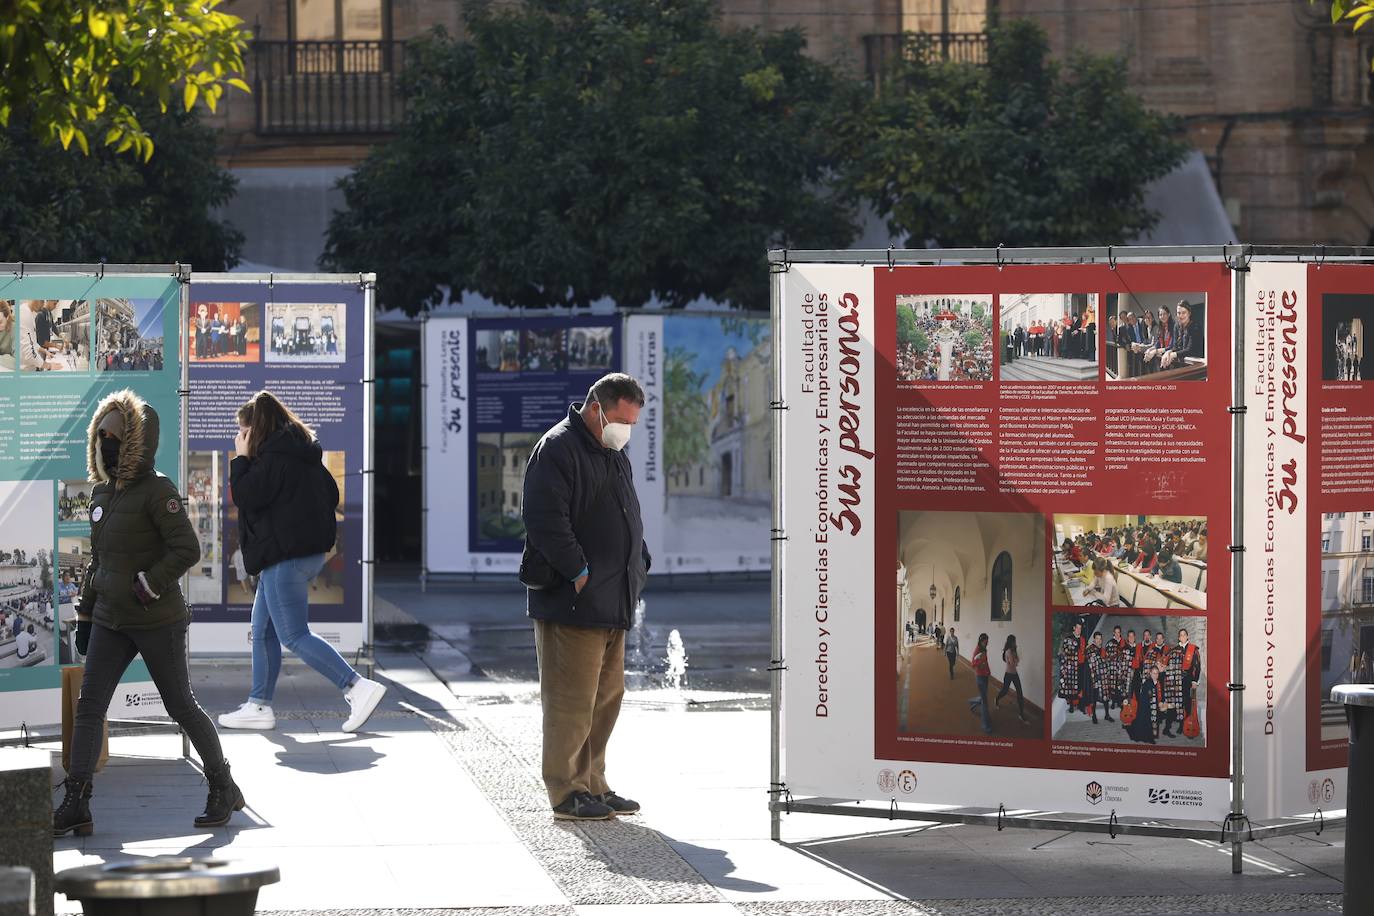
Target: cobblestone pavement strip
<point>614,862</point>
<point>1058,906</point>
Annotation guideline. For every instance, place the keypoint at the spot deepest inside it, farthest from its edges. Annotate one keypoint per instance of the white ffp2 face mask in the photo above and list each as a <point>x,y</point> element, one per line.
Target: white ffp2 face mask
<point>613,435</point>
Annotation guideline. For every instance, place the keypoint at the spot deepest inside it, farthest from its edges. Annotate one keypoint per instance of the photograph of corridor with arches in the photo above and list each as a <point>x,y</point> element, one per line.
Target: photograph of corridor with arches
<point>1129,679</point>
<point>971,624</point>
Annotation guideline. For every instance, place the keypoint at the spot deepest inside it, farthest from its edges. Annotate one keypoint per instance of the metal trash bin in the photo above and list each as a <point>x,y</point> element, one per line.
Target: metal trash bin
<point>1358,700</point>
<point>168,886</point>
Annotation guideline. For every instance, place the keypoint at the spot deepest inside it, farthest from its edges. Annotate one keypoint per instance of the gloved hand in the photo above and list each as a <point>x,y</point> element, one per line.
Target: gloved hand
<point>83,636</point>
<point>142,591</point>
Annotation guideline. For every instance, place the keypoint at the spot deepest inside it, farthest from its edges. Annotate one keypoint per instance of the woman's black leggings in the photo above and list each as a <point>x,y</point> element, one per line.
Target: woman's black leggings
<point>164,652</point>
<point>1013,678</point>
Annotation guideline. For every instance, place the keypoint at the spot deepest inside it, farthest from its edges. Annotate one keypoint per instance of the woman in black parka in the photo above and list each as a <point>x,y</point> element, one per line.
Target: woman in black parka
<point>131,604</point>
<point>286,499</point>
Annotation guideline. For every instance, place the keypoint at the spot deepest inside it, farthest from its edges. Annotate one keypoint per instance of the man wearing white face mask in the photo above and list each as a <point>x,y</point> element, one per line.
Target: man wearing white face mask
<point>584,565</point>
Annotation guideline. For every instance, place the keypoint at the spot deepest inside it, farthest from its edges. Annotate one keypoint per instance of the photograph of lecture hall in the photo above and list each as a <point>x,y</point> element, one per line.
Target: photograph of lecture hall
<point>971,624</point>
<point>1157,562</point>
<point>1156,337</point>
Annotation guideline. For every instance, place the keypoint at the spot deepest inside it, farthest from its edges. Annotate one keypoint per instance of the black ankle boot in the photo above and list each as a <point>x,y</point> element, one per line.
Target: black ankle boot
<point>73,815</point>
<point>223,800</point>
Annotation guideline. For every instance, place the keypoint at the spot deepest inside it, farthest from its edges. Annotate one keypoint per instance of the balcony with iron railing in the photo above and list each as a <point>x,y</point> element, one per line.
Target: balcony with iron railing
<point>881,51</point>
<point>328,87</point>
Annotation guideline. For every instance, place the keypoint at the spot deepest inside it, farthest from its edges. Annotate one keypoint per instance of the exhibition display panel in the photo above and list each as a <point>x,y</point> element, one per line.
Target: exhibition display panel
<point>1078,534</point>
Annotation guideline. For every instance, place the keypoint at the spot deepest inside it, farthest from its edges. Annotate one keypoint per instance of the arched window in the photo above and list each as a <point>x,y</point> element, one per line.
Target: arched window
<point>1001,587</point>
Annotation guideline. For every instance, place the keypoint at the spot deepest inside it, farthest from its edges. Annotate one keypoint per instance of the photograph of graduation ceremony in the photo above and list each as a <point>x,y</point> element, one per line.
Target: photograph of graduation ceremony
<point>944,338</point>
<point>1049,337</point>
<point>1140,561</point>
<point>1124,679</point>
<point>1156,337</point>
<point>26,574</point>
<point>970,624</point>
<point>225,332</point>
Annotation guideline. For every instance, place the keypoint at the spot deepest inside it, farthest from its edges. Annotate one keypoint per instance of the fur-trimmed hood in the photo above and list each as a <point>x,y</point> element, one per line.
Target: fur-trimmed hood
<point>137,448</point>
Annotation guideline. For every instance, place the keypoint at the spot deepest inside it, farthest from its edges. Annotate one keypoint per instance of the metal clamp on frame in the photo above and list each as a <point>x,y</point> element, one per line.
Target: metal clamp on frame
<point>1241,260</point>
<point>1237,817</point>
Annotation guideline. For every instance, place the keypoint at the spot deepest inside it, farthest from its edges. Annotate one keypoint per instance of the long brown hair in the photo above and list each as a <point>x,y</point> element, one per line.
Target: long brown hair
<point>263,414</point>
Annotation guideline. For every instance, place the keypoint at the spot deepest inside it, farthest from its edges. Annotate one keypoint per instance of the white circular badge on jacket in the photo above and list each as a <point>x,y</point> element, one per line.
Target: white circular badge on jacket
<point>97,513</point>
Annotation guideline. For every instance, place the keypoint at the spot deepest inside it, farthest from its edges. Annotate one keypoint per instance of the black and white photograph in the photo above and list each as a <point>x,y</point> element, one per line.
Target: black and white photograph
<point>307,332</point>
<point>1121,678</point>
<point>27,615</point>
<point>1156,337</point>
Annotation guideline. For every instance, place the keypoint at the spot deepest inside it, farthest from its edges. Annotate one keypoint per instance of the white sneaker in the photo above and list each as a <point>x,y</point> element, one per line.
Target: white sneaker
<point>363,697</point>
<point>250,715</point>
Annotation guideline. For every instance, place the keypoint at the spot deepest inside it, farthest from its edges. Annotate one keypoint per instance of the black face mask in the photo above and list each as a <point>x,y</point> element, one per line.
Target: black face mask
<point>109,454</point>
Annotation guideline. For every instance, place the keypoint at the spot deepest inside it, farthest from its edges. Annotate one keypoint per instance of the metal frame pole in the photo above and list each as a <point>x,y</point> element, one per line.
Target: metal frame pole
<point>184,441</point>
<point>776,665</point>
<point>424,455</point>
<point>369,284</point>
<point>1239,268</point>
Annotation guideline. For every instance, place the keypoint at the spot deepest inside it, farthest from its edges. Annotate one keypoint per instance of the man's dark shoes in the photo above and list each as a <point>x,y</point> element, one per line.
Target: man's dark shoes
<point>582,806</point>
<point>223,799</point>
<point>73,815</point>
<point>619,805</point>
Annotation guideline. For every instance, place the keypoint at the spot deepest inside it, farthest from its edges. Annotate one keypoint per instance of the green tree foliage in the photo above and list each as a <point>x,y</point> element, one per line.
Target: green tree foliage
<point>567,150</point>
<point>973,339</point>
<point>78,71</point>
<point>61,205</point>
<point>1359,11</point>
<point>685,423</point>
<point>909,332</point>
<point>1024,151</point>
<point>978,311</point>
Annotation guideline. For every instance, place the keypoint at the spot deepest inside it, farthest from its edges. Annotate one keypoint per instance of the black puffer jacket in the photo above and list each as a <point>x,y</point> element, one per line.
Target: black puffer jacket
<point>286,499</point>
<point>138,524</point>
<point>580,510</point>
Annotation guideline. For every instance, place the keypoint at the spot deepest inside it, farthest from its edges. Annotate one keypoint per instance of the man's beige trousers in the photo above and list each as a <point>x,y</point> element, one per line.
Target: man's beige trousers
<point>581,682</point>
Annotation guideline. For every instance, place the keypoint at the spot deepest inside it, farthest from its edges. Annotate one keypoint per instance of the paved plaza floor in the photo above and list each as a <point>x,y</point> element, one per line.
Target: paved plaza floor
<point>438,808</point>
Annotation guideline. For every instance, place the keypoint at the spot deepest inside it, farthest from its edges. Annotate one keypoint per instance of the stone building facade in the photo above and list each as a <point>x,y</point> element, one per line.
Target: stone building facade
<point>1278,100</point>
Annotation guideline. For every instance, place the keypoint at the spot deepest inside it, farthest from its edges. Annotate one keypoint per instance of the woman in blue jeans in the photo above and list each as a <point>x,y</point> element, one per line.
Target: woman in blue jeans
<point>286,499</point>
